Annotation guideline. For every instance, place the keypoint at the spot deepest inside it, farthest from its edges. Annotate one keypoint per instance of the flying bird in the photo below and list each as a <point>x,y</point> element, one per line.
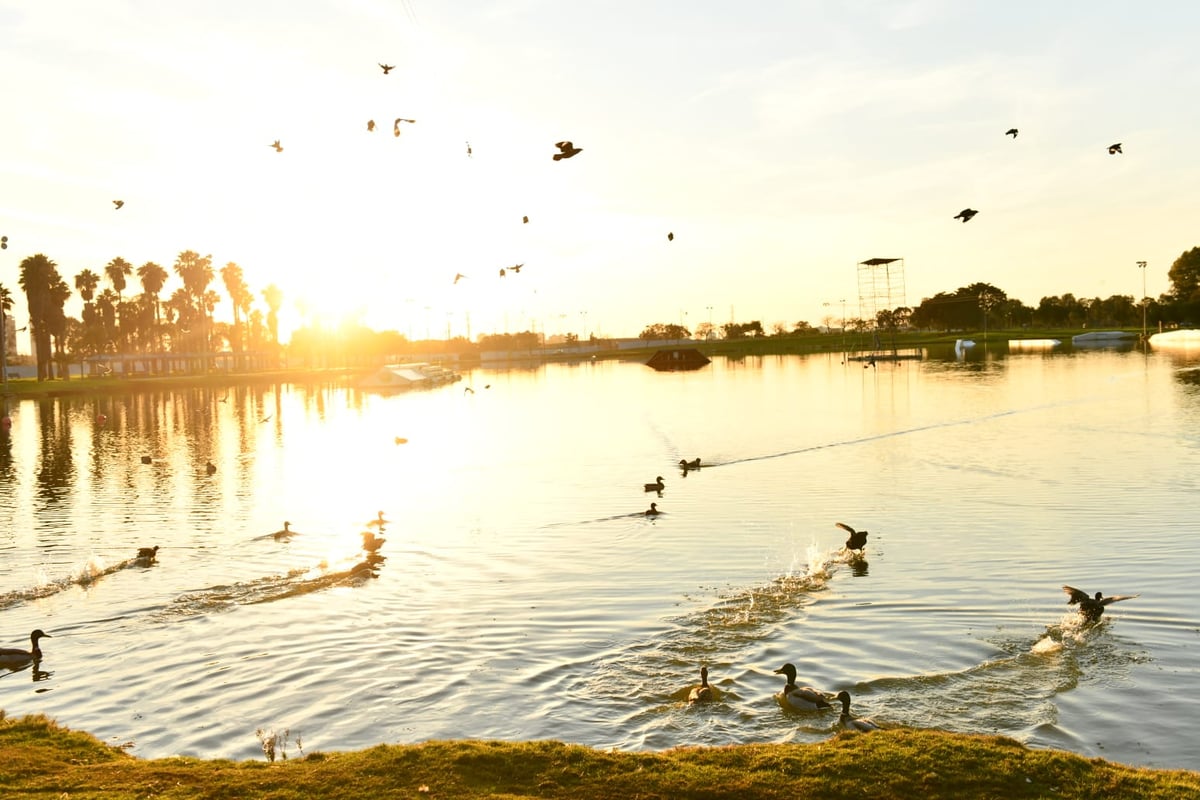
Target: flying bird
<point>469,155</point>
<point>387,68</point>
<point>502,272</point>
<point>1113,149</point>
<point>118,203</point>
<point>278,148</point>
<point>1092,608</point>
<point>458,276</point>
<point>524,221</point>
<point>857,540</point>
<point>517,267</point>
<point>370,125</point>
<point>4,239</point>
<point>966,214</point>
<point>396,124</point>
<point>670,237</point>
<point>1011,132</point>
<point>566,150</point>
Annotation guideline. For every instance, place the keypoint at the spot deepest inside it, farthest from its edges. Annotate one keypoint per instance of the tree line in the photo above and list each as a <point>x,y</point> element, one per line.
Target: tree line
<point>113,322</point>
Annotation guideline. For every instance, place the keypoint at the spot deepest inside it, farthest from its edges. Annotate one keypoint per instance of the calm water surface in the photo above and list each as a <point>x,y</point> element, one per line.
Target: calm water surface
<point>524,595</point>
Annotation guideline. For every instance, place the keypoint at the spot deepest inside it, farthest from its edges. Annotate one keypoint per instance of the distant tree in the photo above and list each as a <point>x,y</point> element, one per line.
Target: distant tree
<point>39,279</point>
<point>705,331</point>
<point>273,297</point>
<point>153,278</point>
<point>802,327</point>
<point>660,330</point>
<point>1185,276</point>
<point>743,330</point>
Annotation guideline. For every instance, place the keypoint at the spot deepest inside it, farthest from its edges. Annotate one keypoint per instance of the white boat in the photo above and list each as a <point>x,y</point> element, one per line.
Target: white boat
<point>1188,338</point>
<point>1102,338</point>
<point>408,376</point>
<point>1032,344</point>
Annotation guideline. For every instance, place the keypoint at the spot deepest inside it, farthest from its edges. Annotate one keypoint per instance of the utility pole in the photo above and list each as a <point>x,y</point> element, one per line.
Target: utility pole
<point>1142,267</point>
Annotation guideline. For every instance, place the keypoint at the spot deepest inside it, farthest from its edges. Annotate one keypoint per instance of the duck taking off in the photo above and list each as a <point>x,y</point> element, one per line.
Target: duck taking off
<point>799,698</point>
<point>15,657</point>
<point>1092,608</point>
<point>857,540</point>
<point>147,553</point>
<point>850,722</point>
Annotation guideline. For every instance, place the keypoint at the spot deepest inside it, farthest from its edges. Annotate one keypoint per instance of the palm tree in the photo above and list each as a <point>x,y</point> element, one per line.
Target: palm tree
<point>273,296</point>
<point>153,279</point>
<point>6,303</point>
<point>39,278</point>
<point>117,270</point>
<point>86,282</point>
<point>196,272</point>
<point>235,285</point>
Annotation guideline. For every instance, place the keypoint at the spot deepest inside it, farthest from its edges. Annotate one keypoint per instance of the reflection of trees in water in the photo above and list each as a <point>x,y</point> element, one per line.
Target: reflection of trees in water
<point>57,472</point>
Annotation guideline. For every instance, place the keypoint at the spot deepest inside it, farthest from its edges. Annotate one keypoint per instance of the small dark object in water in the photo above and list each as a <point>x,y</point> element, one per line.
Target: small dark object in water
<point>652,511</point>
<point>210,467</point>
<point>693,464</point>
<point>15,657</point>
<point>657,486</point>
<point>371,542</point>
<point>146,459</point>
<point>147,553</point>
<point>857,540</point>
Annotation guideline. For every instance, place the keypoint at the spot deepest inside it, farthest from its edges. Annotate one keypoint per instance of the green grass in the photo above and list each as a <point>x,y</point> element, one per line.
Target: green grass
<point>40,759</point>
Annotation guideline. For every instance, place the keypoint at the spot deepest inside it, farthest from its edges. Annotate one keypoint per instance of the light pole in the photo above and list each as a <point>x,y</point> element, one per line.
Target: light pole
<point>1142,267</point>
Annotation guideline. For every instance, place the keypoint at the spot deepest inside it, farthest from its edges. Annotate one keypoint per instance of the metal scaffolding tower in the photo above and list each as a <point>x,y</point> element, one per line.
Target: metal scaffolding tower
<point>880,288</point>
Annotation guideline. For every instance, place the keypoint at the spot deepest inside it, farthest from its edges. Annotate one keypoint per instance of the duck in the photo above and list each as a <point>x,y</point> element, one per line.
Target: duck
<point>285,533</point>
<point>118,204</point>
<point>147,553</point>
<point>387,68</point>
<point>1011,132</point>
<point>146,459</point>
<point>378,522</point>
<point>966,214</point>
<point>370,542</point>
<point>1115,148</point>
<point>857,540</point>
<point>657,486</point>
<point>671,236</point>
<point>210,467</point>
<point>652,511</point>
<point>852,723</point>
<point>703,693</point>
<point>1092,608</point>
<point>566,150</point>
<point>15,657</point>
<point>693,464</point>
<point>799,698</point>
<point>278,147</point>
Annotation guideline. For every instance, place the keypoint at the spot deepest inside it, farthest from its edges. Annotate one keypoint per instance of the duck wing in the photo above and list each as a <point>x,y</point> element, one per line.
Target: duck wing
<point>845,527</point>
<point>806,696</point>
<point>1117,597</point>
<point>1075,595</point>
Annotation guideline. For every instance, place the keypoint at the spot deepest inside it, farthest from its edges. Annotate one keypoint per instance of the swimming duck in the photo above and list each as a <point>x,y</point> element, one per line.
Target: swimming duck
<point>652,511</point>
<point>146,459</point>
<point>852,723</point>
<point>15,657</point>
<point>693,464</point>
<point>147,553</point>
<point>378,522</point>
<point>371,542</point>
<point>1092,608</point>
<point>210,467</point>
<point>703,693</point>
<point>285,533</point>
<point>800,698</point>
<point>657,486</point>
<point>857,540</point>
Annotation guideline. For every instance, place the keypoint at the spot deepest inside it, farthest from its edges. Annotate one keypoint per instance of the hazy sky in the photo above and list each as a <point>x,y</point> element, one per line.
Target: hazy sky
<point>781,142</point>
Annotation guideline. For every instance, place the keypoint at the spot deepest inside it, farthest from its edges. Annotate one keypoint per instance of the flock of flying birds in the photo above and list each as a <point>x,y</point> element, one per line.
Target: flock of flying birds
<point>968,213</point>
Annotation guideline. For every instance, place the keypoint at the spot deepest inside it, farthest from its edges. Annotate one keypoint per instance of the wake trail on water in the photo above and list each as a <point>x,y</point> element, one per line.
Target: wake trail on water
<point>82,576</point>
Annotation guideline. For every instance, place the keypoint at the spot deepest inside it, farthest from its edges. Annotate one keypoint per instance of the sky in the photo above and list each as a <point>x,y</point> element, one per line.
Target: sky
<point>782,143</point>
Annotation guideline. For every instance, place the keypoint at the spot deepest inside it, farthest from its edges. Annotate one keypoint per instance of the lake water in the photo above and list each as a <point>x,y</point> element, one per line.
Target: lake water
<point>523,594</point>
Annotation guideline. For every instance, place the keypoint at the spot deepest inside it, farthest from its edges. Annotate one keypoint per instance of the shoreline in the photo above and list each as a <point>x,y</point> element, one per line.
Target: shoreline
<point>42,758</point>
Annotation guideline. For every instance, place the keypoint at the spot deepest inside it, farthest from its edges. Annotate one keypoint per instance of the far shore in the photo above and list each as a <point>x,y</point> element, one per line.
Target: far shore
<point>850,344</point>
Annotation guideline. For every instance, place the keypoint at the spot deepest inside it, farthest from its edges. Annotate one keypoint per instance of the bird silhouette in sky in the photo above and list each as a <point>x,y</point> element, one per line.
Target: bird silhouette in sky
<point>1113,149</point>
<point>670,237</point>
<point>517,267</point>
<point>966,214</point>
<point>387,68</point>
<point>1011,132</point>
<point>370,125</point>
<point>118,203</point>
<point>502,272</point>
<point>525,220</point>
<point>3,242</point>
<point>567,149</point>
<point>396,124</point>
<point>458,276</point>
<point>278,147</point>
<point>469,154</point>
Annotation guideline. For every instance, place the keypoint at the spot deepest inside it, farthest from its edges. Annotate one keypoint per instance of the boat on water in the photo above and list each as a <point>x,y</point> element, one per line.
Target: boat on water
<point>409,376</point>
<point>1103,338</point>
<point>1184,339</point>
<point>1033,344</point>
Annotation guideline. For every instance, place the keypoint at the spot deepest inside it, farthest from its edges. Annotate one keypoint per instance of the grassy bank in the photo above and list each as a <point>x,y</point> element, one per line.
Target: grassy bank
<point>41,759</point>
